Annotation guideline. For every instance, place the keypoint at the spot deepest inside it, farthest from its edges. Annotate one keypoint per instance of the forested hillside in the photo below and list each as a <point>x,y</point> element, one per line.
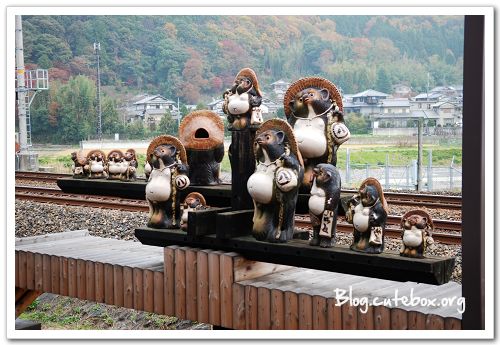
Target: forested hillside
<point>196,57</point>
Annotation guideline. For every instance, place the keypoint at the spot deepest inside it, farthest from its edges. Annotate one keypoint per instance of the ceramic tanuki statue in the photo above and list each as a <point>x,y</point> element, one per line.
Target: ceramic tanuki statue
<point>202,134</point>
<point>313,107</point>
<point>275,184</point>
<point>241,104</point>
<point>194,201</point>
<point>167,156</point>
<point>115,165</point>
<point>129,165</point>
<point>323,204</point>
<point>242,101</point>
<point>147,170</point>
<point>78,166</point>
<point>367,211</point>
<point>417,228</point>
<point>96,164</point>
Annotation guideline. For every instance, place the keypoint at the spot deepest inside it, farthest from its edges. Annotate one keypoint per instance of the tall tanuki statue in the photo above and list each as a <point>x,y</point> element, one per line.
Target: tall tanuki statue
<point>241,104</point>
<point>313,107</point>
<point>274,186</point>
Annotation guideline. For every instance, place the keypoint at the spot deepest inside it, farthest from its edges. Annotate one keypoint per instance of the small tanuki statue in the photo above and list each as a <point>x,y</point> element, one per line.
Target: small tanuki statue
<point>96,164</point>
<point>194,201</point>
<point>275,184</point>
<point>78,166</point>
<point>147,170</point>
<point>367,211</point>
<point>313,107</point>
<point>115,165</point>
<point>168,160</point>
<point>417,228</point>
<point>130,165</point>
<point>323,204</point>
<point>241,104</point>
<point>202,134</point>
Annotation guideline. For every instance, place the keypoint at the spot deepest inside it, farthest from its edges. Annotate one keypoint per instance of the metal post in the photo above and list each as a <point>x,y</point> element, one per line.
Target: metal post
<point>451,172</point>
<point>367,173</point>
<point>419,156</point>
<point>348,166</point>
<point>97,49</point>
<point>429,171</point>
<point>22,91</point>
<point>408,176</point>
<point>414,172</point>
<point>386,171</point>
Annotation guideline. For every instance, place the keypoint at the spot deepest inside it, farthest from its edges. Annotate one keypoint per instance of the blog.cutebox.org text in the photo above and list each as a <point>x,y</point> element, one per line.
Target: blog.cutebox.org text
<point>343,296</point>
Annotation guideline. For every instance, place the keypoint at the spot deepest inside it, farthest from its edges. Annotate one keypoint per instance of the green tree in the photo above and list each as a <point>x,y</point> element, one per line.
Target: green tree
<point>383,83</point>
<point>357,123</point>
<point>168,125</point>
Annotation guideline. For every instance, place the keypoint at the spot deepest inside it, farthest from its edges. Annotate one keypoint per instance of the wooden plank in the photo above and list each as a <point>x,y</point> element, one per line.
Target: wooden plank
<point>51,237</point>
<point>291,310</point>
<point>248,269</point>
<point>305,311</point>
<point>191,283</point>
<point>54,274</point>
<point>16,268</point>
<point>30,270</point>
<point>202,285</point>
<point>399,318</point>
<point>382,317</point>
<point>46,281</point>
<point>128,287</point>
<point>158,296</point>
<point>349,316</point>
<point>264,308</point>
<point>334,314</point>
<point>148,289</point>
<point>365,320</point>
<point>452,323</point>
<point>203,222</point>
<point>416,320</point>
<point>63,276</point>
<point>319,312</point>
<point>99,281</point>
<point>138,289</point>
<point>238,307</point>
<point>434,322</point>
<point>180,283</point>
<point>226,288</point>
<point>118,288</point>
<point>277,309</point>
<point>169,277</point>
<point>72,278</point>
<point>251,307</point>
<point>214,288</point>
<point>234,223</point>
<point>388,265</point>
<point>22,269</point>
<point>20,292</point>
<point>89,280</point>
<point>38,272</point>
<point>81,286</point>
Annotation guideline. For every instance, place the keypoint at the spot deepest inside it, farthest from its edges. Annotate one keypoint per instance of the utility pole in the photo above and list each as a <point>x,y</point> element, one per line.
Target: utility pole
<point>29,83</point>
<point>420,154</point>
<point>21,89</point>
<point>97,49</point>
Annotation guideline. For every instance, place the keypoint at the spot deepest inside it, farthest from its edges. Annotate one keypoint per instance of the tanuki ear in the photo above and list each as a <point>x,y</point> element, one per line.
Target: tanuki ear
<point>292,105</point>
<point>173,151</point>
<point>325,94</point>
<point>281,136</point>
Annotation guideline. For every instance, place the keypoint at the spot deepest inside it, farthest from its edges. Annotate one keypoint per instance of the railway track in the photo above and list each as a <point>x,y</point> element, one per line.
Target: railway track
<point>404,199</point>
<point>448,232</point>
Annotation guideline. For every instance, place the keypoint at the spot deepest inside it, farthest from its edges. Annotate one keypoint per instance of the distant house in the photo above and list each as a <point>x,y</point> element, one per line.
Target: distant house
<point>401,91</point>
<point>150,109</point>
<point>394,112</point>
<point>366,103</point>
<point>279,89</point>
<point>216,106</point>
